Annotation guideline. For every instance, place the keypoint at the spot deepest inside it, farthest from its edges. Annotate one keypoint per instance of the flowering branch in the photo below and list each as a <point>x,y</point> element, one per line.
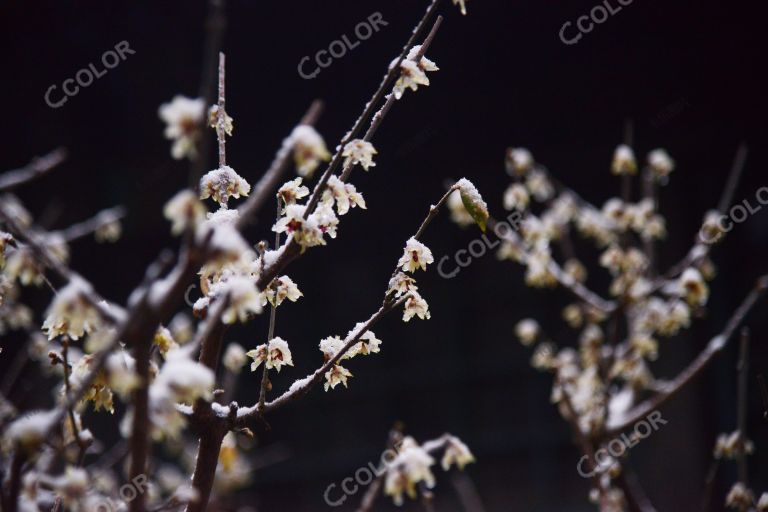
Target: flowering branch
<point>101,220</point>
<point>33,170</point>
<point>668,390</point>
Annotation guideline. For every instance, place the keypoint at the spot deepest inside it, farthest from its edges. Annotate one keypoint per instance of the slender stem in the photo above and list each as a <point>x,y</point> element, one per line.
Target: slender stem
<point>101,219</point>
<point>743,369</point>
<point>739,162</point>
<point>39,166</point>
<point>221,132</point>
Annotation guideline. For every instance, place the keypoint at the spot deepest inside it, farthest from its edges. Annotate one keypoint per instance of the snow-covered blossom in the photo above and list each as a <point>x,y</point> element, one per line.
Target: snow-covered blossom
<point>306,232</point>
<point>574,269</point>
<point>21,264</point>
<point>624,162</point>
<point>183,379</point>
<point>121,373</point>
<point>280,289</point>
<point>595,225</point>
<point>244,298</point>
<point>308,150</point>
<point>617,212</point>
<point>416,255</point>
<point>292,191</point>
<point>343,195</point>
<point>72,487</point>
<point>712,229</point>
<point>70,313</point>
<point>331,346</point>
<point>183,117</point>
<point>516,197</point>
<point>401,284</point>
<point>456,452</point>
<point>459,213</point>
<point>415,305</point>
<point>411,466</point>
<point>223,183</point>
<point>98,391</point>
<point>369,343</point>
<point>334,376</point>
<point>29,431</point>
<point>413,74</point>
<point>234,358</point>
<point>740,497</point>
<point>527,331</point>
<point>660,163</point>
<point>185,211</point>
<point>360,152</point>
<point>519,161</point>
<point>275,354</point>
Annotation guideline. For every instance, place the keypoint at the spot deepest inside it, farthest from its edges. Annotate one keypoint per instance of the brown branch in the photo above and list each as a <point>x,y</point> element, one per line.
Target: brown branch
<point>205,467</point>
<point>39,166</point>
<point>85,228</point>
<point>291,250</point>
<point>467,492</point>
<point>714,347</point>
<point>221,118</point>
<point>215,25</point>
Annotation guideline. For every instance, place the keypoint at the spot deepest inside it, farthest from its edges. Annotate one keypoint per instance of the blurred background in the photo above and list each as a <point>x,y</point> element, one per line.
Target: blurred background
<point>687,73</point>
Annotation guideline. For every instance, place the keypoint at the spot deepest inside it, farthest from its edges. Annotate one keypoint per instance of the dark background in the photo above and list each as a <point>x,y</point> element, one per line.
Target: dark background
<point>506,79</point>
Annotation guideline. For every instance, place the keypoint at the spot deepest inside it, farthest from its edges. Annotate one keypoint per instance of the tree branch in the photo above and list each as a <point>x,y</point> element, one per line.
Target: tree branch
<point>670,389</point>
<point>39,166</point>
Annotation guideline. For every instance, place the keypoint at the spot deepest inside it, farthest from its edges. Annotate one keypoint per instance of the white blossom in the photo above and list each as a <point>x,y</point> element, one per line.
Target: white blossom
<point>280,289</point>
<point>516,197</point>
<point>456,452</point>
<point>359,152</point>
<point>308,150</point>
<point>234,358</point>
<point>70,313</point>
<point>624,162</point>
<point>519,161</point>
<point>185,211</point>
<point>415,305</point>
<point>336,375</point>
<point>223,183</point>
<point>660,163</point>
<point>292,191</point>
<point>183,117</point>
<point>343,195</point>
<point>244,298</point>
<point>275,354</point>
<point>527,331</point>
<point>411,466</point>
<point>416,255</point>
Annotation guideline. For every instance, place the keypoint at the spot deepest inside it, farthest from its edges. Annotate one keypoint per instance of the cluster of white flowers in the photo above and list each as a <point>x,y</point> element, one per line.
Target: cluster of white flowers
<point>413,465</point>
<point>274,354</point>
<point>333,345</point>
<point>415,256</point>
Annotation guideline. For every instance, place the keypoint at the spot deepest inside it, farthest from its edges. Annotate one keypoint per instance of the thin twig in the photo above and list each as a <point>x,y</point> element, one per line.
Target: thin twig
<point>743,369</point>
<point>221,116</point>
<point>39,166</point>
<point>85,228</point>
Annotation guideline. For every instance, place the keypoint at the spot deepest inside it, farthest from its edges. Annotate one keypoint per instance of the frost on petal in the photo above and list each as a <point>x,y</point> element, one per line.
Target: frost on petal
<point>306,232</point>
<point>401,283</point>
<point>336,375</point>
<point>244,298</point>
<point>29,431</point>
<point>274,354</point>
<point>456,452</point>
<point>359,152</point>
<point>223,183</point>
<point>415,305</point>
<point>292,191</point>
<point>416,255</point>
<point>280,289</point>
<point>70,313</point>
